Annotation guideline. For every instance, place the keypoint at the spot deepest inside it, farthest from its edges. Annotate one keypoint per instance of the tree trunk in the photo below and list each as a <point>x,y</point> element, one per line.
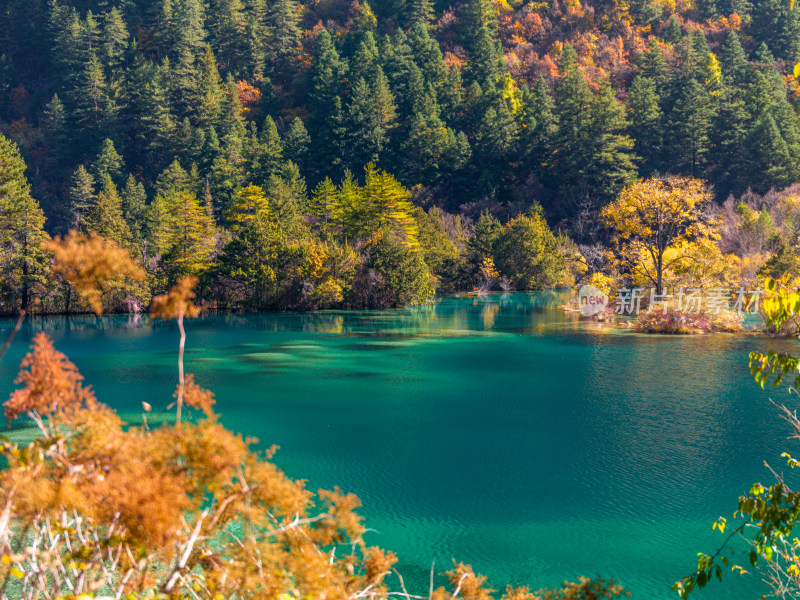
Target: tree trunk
<point>180,364</point>
<point>660,275</point>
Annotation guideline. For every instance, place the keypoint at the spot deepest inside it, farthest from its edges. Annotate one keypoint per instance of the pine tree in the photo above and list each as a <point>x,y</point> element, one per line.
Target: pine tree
<point>270,151</point>
<point>231,122</point>
<point>286,195</point>
<point>190,20</point>
<point>327,72</point>
<point>645,12</point>
<point>105,217</point>
<point>789,127</point>
<point>94,111</point>
<point>672,31</point>
<point>227,29</point>
<point>689,124</point>
<point>735,69</point>
<point>210,149</point>
<point>760,95</point>
<point>426,146</point>
<point>70,49</point>
<point>428,56</point>
<point>108,162</point>
<point>707,10</point>
<point>647,126</point>
<point>778,26</point>
<point>363,29</point>
<point>478,14</point>
<point>296,183</point>
<point>81,195</point>
<point>183,84</point>
<point>770,161</point>
<point>741,7</point>
<point>652,64</point>
<point>485,58</point>
<point>227,172</point>
<point>189,37</point>
<point>283,37</point>
<point>611,167</point>
<point>134,208</point>
<point>419,12</point>
<point>173,179</point>
<point>571,145</point>
<point>591,155</point>
<point>6,77</point>
<point>728,142</point>
<point>151,125</point>
<point>405,77</point>
<point>114,41</point>
<point>541,125</point>
<point>162,19</point>
<point>766,64</point>
<point>248,203</point>
<point>496,136</point>
<point>256,34</point>
<point>22,258</point>
<point>325,103</point>
<point>371,114</point>
<point>269,104</point>
<point>155,227</point>
<point>54,124</point>
<point>323,206</point>
<point>481,245</point>
<point>690,51</point>
<point>296,143</point>
<point>210,90</point>
<point>185,234</point>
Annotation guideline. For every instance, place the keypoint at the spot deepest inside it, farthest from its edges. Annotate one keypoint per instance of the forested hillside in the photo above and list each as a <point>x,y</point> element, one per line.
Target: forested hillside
<point>275,140</point>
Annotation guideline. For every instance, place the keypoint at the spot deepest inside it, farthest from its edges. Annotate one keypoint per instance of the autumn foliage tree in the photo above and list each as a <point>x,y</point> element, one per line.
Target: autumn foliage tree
<point>93,266</point>
<point>653,217</point>
<point>177,304</point>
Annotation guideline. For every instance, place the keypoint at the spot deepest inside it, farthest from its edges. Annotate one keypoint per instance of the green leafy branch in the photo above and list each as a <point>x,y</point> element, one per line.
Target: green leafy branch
<point>771,514</point>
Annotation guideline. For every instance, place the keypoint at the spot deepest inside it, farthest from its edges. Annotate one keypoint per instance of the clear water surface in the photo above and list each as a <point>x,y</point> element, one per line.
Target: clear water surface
<point>497,429</point>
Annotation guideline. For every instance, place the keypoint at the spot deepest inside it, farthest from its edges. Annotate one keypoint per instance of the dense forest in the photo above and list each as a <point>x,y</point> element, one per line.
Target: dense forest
<point>315,154</point>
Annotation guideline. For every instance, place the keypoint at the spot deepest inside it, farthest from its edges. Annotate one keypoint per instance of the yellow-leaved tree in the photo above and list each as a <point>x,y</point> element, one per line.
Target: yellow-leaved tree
<point>183,233</point>
<point>247,203</point>
<point>357,213</point>
<point>661,225</point>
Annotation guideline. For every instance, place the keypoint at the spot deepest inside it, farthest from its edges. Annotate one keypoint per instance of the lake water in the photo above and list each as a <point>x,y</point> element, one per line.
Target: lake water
<point>497,430</point>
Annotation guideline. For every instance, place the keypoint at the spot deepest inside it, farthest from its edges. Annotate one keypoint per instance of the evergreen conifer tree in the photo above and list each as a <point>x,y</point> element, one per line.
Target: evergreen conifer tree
<point>22,258</point>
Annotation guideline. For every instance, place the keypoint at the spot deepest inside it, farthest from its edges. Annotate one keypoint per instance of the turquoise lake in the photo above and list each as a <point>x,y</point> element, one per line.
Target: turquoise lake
<point>497,430</point>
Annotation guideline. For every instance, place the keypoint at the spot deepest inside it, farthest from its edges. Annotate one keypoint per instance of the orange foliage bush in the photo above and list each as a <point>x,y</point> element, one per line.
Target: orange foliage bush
<point>177,302</point>
<point>196,397</point>
<point>92,264</point>
<point>250,98</point>
<point>51,383</point>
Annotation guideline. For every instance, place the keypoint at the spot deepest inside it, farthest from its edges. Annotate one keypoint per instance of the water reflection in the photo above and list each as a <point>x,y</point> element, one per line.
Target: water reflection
<point>494,428</point>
